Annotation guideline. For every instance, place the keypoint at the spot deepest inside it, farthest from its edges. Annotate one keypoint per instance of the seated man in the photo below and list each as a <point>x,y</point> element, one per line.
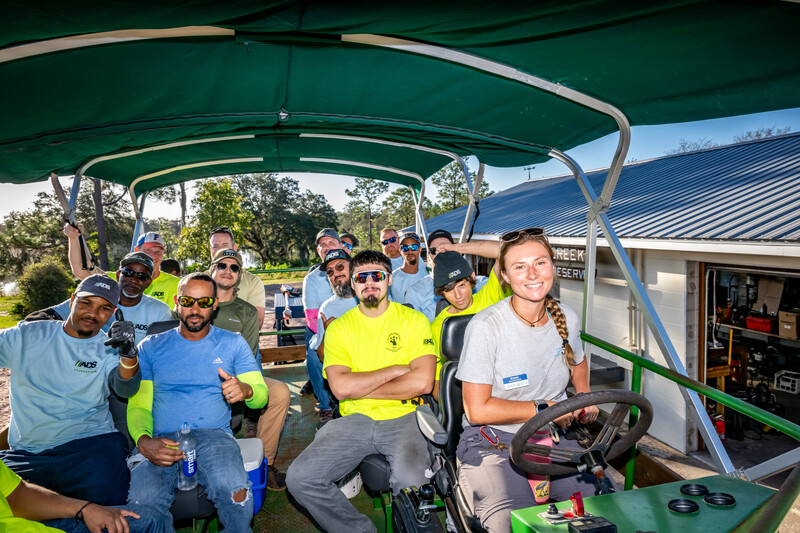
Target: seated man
<point>62,435</point>
<point>234,314</point>
<point>337,267</point>
<point>378,360</point>
<point>23,504</point>
<point>181,371</point>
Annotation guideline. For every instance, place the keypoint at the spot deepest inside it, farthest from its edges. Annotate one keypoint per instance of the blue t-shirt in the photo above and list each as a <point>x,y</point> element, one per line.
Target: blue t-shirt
<point>397,262</point>
<point>402,281</point>
<point>59,385</point>
<point>333,306</point>
<point>186,383</point>
<point>147,311</point>
<point>316,289</point>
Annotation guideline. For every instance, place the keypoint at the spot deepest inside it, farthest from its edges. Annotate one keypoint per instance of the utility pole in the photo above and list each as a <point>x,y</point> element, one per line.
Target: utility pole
<point>529,168</point>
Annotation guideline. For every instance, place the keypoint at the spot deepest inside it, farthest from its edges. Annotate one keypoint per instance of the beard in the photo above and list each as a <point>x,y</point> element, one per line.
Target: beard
<point>345,290</point>
<point>411,259</point>
<point>372,301</point>
<point>130,293</point>
<point>194,329</point>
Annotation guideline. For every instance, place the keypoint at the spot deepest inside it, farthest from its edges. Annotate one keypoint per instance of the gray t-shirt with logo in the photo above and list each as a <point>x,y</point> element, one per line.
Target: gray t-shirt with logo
<point>520,362</point>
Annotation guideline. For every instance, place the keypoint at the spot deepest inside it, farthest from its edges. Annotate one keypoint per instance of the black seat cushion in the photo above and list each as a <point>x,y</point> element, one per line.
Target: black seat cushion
<point>161,327</point>
<point>375,473</point>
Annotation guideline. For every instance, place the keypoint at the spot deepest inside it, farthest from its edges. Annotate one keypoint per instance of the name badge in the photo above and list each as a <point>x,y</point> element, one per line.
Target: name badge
<point>515,382</point>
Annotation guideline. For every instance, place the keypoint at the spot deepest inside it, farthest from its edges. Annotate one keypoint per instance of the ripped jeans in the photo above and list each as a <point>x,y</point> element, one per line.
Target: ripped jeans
<point>219,469</point>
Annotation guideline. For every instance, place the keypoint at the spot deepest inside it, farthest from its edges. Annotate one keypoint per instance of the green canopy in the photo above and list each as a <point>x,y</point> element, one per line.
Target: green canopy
<point>84,80</point>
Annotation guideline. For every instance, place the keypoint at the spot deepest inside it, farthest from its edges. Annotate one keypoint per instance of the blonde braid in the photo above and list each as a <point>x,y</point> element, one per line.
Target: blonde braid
<point>561,324</point>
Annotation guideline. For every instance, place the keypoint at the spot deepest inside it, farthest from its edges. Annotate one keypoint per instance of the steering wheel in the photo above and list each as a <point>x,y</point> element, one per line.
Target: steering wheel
<point>604,444</point>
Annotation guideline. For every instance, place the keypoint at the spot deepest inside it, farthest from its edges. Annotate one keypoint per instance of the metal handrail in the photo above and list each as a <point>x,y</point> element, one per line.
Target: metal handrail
<point>275,270</point>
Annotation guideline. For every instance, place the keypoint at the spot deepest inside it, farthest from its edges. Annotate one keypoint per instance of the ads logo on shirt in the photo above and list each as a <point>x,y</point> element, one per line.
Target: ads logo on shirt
<point>393,342</point>
<point>86,367</point>
<point>157,294</point>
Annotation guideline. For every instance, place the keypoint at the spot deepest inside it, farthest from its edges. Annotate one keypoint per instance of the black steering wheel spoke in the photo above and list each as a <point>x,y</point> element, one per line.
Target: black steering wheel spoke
<point>568,461</point>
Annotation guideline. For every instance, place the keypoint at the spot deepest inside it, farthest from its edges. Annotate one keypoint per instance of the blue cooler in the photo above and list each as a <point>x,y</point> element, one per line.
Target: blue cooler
<point>256,466</point>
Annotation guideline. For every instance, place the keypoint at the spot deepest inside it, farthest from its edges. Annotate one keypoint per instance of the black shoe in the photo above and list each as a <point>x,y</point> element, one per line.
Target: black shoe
<point>276,480</point>
<point>307,389</point>
<point>324,417</point>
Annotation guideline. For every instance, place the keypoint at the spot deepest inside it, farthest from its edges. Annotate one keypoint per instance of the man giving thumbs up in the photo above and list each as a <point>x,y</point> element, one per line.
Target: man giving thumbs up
<point>192,374</point>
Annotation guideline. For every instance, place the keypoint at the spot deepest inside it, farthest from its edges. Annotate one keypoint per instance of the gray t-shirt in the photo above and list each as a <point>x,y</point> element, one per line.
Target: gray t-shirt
<point>520,362</point>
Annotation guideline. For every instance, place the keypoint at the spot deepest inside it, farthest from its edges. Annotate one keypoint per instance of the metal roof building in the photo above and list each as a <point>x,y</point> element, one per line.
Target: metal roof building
<point>745,193</point>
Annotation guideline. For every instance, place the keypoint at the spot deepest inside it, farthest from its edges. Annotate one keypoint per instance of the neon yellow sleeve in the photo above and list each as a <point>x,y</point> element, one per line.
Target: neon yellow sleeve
<point>260,392</point>
<point>140,411</point>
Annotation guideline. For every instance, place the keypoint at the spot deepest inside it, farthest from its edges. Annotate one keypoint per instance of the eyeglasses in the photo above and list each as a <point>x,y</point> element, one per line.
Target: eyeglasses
<point>226,266</point>
<point>331,271</point>
<point>347,245</point>
<point>514,235</point>
<point>390,239</point>
<point>407,247</point>
<point>221,229</point>
<point>141,276</point>
<point>432,251</point>
<point>205,302</point>
<point>374,275</point>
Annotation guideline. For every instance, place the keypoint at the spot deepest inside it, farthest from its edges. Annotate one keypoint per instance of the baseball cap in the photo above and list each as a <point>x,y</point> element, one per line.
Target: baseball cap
<point>226,254</point>
<point>440,234</point>
<point>138,257</point>
<point>99,285</point>
<point>333,255</point>
<point>410,235</point>
<point>449,266</point>
<point>151,237</point>
<point>327,232</point>
<point>351,237</point>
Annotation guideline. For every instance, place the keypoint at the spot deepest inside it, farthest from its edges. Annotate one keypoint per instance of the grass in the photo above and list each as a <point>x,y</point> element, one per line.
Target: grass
<point>282,277</point>
<point>7,319</point>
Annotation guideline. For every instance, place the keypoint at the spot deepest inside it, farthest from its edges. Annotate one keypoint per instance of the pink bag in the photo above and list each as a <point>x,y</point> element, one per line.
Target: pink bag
<point>540,485</point>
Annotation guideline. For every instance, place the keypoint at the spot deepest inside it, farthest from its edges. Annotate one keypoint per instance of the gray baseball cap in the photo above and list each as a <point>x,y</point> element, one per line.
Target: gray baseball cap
<point>138,257</point>
<point>327,232</point>
<point>99,285</point>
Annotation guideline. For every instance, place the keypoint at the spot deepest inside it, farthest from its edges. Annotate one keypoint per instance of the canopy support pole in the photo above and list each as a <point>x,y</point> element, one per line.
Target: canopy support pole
<point>419,198</point>
<point>87,261</point>
<point>598,216</point>
<point>137,230</point>
<point>474,191</point>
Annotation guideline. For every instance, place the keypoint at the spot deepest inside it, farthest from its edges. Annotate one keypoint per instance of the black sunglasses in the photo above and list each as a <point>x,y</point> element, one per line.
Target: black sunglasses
<point>514,235</point>
<point>205,302</point>
<point>387,241</point>
<point>221,229</point>
<point>226,266</point>
<point>141,276</point>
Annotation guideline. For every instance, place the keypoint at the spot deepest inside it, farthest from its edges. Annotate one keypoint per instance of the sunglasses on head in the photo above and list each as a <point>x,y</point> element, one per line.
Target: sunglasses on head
<point>225,266</point>
<point>331,271</point>
<point>390,239</point>
<point>407,247</point>
<point>221,229</point>
<point>374,275</point>
<point>514,235</point>
<point>347,245</point>
<point>141,276</point>
<point>205,302</point>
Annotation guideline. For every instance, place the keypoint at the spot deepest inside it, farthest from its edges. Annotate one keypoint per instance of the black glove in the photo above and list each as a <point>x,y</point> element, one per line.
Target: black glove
<point>122,336</point>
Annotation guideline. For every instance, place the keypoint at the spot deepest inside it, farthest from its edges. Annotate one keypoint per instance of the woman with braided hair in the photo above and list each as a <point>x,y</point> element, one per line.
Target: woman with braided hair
<point>519,356</point>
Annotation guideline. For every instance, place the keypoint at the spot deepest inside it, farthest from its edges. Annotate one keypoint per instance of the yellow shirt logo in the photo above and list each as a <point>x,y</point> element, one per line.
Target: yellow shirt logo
<point>393,342</point>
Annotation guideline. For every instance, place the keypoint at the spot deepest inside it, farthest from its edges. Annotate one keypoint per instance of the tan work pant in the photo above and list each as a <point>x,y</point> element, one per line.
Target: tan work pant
<point>270,423</point>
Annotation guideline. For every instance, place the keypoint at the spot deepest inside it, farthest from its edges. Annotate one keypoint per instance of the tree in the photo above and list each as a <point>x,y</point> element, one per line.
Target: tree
<point>452,188</point>
<point>400,210</point>
<point>760,133</point>
<point>692,146</point>
<point>365,197</point>
<point>216,203</point>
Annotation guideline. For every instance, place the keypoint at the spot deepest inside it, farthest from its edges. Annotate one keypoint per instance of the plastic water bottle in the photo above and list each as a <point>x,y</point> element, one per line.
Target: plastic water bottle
<point>187,477</point>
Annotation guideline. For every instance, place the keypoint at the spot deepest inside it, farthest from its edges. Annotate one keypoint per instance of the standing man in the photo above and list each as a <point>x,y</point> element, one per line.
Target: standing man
<point>234,314</point>
<point>134,275</point>
<point>316,290</point>
<point>412,269</point>
<point>192,374</point>
<point>391,247</point>
<point>251,288</point>
<point>162,287</point>
<point>62,435</point>
<point>379,358</point>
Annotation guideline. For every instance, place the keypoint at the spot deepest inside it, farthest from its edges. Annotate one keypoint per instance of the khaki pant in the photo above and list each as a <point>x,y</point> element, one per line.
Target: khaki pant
<point>270,423</point>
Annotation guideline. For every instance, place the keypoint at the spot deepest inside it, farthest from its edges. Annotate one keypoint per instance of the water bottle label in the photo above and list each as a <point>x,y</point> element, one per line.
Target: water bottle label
<point>189,464</point>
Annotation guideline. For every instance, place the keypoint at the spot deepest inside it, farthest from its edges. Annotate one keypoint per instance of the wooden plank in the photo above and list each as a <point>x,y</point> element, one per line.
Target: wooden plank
<point>283,353</point>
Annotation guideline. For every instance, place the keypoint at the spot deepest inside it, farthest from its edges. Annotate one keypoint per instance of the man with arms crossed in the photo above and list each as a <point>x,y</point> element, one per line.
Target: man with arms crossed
<point>191,374</point>
<point>379,358</point>
<point>234,314</point>
<point>62,435</point>
<point>162,287</point>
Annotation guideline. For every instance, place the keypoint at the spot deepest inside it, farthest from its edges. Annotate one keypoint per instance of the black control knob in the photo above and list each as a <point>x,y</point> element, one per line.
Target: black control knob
<point>426,493</point>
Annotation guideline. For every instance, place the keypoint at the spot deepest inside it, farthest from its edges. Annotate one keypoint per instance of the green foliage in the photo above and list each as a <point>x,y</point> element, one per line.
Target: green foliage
<point>43,285</point>
<point>363,208</point>
<point>452,188</point>
<point>285,220</point>
<point>9,305</point>
<point>399,209</point>
<point>216,203</point>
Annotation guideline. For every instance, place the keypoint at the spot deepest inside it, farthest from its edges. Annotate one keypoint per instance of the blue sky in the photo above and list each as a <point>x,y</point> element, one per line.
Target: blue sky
<point>646,142</point>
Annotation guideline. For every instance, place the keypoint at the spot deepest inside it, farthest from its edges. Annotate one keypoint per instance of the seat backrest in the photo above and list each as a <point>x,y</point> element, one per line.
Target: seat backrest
<point>451,405</point>
<point>161,327</point>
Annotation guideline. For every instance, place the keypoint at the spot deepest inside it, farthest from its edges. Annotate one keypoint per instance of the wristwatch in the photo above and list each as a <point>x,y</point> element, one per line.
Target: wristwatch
<point>541,405</point>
